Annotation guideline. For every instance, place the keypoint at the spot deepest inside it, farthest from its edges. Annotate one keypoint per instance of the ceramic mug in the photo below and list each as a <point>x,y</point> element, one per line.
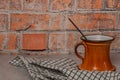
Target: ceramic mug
<point>97,53</point>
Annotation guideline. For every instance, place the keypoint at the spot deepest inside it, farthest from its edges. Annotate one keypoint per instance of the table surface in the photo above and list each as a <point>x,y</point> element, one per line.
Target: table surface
<point>9,72</point>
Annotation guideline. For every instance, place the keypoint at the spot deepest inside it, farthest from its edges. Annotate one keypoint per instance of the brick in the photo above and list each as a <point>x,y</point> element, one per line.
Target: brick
<point>3,22</point>
<point>113,4</point>
<point>12,41</point>
<point>10,4</point>
<point>107,21</point>
<point>111,33</point>
<point>72,39</point>
<point>61,5</point>
<point>79,19</point>
<point>30,21</point>
<point>4,4</point>
<point>56,22</point>
<point>20,21</point>
<point>15,4</point>
<point>34,41</point>
<point>93,21</point>
<point>116,41</point>
<point>89,4</point>
<point>56,41</point>
<point>36,5</point>
<point>41,22</point>
<point>2,41</point>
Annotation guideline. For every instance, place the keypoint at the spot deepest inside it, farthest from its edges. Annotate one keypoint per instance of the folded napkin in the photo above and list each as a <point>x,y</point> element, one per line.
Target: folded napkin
<point>60,69</point>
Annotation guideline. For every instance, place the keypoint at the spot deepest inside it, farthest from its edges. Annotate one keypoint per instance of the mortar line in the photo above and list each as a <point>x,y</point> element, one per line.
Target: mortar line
<point>22,5</point>
<point>9,22</point>
<point>117,20</point>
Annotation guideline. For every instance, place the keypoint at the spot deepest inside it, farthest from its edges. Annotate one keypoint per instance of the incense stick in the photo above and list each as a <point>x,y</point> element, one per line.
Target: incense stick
<point>77,28</point>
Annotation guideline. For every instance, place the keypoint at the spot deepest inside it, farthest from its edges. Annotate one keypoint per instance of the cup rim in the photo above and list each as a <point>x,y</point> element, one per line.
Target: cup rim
<point>98,38</point>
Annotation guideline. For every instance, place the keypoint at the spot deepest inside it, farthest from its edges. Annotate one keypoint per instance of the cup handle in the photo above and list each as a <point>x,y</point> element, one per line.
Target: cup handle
<point>78,53</point>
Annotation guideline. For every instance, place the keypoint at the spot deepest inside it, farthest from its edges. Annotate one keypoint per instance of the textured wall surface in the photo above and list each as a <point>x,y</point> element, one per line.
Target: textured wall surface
<point>42,26</point>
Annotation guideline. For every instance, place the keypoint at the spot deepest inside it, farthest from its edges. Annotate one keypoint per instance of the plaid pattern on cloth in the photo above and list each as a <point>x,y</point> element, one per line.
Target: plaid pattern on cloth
<point>60,69</point>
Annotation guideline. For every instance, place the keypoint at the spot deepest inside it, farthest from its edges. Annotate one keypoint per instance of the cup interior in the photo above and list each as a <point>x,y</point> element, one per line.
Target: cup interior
<point>98,38</point>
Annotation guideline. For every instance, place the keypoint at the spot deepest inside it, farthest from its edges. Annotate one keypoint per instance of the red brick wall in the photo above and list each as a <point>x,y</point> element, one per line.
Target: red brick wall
<point>38,26</point>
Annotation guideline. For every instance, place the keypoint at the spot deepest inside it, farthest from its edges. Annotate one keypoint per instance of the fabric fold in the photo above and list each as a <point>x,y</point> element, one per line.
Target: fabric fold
<point>60,69</point>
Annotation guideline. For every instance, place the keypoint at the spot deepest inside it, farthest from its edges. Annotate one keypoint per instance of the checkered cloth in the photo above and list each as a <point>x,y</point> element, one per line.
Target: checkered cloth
<point>60,69</point>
